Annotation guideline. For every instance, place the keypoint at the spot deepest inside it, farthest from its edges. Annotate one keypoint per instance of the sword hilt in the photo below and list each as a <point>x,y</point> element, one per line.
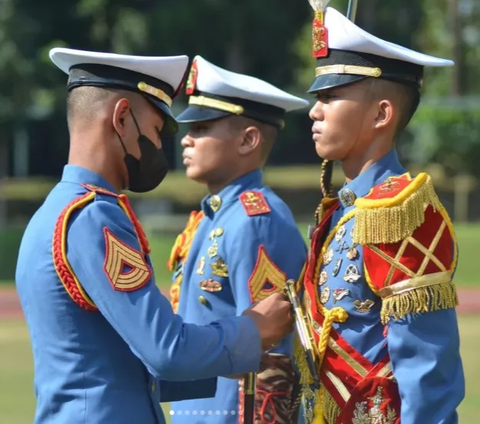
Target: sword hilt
<point>249,391</point>
<point>306,339</point>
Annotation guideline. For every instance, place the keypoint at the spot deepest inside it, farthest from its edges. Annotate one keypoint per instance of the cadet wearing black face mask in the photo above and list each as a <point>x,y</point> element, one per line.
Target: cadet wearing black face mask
<point>97,90</point>
<point>106,343</point>
<point>147,172</point>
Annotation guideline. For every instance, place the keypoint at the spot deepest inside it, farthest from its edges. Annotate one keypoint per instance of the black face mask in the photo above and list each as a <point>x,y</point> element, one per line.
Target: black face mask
<point>148,172</point>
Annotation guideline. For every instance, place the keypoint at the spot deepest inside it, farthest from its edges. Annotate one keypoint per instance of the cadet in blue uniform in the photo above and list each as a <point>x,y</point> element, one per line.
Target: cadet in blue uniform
<point>378,286</point>
<point>243,244</point>
<point>107,346</point>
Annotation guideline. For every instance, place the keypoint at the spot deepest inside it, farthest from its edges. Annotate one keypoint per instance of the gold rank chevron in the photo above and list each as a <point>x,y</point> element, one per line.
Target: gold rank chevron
<point>117,256</point>
<point>265,271</point>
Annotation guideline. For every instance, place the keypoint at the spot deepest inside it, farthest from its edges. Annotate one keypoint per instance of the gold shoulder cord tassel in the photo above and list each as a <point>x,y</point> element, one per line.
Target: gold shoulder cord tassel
<point>326,188</point>
<point>326,174</point>
<point>323,406</point>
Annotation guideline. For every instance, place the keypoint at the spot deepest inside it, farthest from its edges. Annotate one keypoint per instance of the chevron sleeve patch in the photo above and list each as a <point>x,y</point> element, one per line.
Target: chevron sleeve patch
<point>125,267</point>
<point>266,277</point>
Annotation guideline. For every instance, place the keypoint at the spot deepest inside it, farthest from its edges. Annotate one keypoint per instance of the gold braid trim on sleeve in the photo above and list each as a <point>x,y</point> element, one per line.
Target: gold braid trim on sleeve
<point>428,293</point>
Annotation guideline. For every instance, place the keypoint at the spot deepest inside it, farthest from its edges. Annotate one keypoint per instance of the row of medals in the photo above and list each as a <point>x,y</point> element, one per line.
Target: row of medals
<point>352,273</point>
<point>219,267</point>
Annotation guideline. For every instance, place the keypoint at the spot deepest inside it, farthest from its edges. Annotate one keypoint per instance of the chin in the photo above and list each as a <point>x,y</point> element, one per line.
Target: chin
<point>328,153</point>
<point>194,175</point>
<point>191,173</point>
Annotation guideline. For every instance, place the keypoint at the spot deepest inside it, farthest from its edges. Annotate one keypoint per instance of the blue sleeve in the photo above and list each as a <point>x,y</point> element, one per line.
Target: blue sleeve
<point>263,253</point>
<point>171,391</point>
<point>142,316</point>
<point>424,350</point>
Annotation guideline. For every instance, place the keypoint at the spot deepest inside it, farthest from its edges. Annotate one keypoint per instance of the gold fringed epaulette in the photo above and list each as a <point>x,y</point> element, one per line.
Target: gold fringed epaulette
<point>184,240</point>
<point>394,209</point>
<point>180,252</point>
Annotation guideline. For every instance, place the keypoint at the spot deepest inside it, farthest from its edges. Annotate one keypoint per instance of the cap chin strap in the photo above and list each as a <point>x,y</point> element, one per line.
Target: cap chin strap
<point>155,92</point>
<point>348,69</point>
<point>216,104</point>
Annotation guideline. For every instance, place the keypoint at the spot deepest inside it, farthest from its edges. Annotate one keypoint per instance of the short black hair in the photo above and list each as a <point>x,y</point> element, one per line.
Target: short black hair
<point>406,97</point>
<point>269,132</point>
<point>86,103</point>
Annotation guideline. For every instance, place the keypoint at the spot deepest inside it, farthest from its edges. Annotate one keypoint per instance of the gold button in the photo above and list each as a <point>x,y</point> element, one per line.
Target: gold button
<point>347,197</point>
<point>215,203</point>
<point>202,300</point>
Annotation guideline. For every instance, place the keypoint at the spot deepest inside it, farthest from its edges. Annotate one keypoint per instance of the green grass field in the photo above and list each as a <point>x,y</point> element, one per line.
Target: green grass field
<point>17,401</point>
<point>468,270</point>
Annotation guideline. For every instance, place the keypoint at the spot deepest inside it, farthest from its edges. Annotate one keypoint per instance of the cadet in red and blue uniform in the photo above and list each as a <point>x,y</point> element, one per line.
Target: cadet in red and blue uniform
<point>244,243</point>
<point>107,346</point>
<point>378,287</point>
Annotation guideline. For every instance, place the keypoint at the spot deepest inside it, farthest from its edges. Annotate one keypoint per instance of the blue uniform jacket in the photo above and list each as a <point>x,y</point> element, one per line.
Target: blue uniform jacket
<point>245,247</point>
<point>423,348</point>
<point>107,346</point>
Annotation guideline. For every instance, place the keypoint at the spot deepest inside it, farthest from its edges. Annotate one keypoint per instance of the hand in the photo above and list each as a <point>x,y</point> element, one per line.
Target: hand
<point>273,318</point>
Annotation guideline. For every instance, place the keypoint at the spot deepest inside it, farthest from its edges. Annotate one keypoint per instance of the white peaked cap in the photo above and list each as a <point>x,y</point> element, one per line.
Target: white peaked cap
<point>349,54</point>
<point>159,78</point>
<point>215,92</point>
<point>343,34</point>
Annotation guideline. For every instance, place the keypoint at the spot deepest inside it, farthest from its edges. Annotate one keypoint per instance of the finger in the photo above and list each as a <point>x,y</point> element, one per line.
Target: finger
<point>289,316</point>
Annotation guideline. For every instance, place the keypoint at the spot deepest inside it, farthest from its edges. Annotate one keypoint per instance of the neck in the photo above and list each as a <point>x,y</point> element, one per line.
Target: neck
<point>89,151</point>
<point>353,167</point>
<point>214,187</point>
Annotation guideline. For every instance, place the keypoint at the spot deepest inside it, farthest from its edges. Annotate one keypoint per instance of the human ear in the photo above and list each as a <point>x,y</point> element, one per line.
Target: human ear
<point>251,139</point>
<point>385,114</point>
<point>120,113</point>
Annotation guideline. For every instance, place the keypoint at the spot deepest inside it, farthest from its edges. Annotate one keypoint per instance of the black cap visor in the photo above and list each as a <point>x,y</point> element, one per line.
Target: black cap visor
<point>200,114</point>
<point>261,112</point>
<point>324,82</point>
<point>170,126</point>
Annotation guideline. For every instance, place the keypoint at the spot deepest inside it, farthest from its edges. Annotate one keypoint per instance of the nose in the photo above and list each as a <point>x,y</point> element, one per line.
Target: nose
<point>316,112</point>
<point>187,141</point>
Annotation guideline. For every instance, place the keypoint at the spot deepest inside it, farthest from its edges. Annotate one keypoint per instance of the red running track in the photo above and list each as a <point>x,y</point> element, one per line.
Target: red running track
<point>469,300</point>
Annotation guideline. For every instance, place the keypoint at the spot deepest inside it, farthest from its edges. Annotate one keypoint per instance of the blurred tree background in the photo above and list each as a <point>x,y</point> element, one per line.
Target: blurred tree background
<point>268,39</point>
